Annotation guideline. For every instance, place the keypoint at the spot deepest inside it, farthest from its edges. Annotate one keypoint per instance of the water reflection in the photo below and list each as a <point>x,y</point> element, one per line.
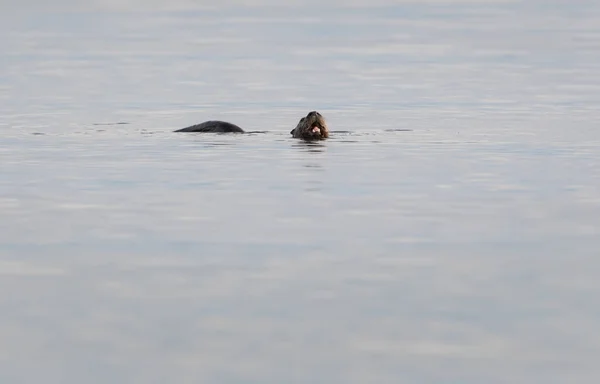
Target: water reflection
<point>310,146</point>
<point>256,132</point>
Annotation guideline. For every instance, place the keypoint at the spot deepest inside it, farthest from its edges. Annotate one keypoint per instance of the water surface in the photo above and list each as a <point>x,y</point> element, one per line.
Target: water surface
<point>447,234</point>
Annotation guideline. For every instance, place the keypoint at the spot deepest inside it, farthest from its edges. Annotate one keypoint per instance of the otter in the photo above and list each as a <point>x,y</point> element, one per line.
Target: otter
<point>311,127</point>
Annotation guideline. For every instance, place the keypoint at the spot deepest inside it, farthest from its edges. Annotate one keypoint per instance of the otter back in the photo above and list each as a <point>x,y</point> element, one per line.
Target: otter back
<point>213,126</point>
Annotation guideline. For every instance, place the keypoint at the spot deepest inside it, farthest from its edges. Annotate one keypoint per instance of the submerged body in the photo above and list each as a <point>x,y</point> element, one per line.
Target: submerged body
<point>311,127</point>
<point>213,126</point>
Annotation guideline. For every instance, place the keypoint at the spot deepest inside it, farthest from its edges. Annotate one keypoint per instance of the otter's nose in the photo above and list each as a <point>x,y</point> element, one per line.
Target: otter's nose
<point>313,113</point>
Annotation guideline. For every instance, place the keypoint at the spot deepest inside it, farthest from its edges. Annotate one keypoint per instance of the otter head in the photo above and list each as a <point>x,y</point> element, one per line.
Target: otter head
<point>311,127</point>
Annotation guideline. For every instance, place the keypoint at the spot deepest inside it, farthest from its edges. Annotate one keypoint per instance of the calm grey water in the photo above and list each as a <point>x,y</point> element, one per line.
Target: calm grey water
<point>449,234</point>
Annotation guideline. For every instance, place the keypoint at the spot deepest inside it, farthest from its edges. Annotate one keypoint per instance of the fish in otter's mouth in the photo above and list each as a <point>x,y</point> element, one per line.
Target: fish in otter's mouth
<point>311,127</point>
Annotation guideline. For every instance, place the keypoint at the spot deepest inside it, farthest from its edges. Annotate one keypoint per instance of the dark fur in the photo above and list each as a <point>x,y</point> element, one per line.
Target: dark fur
<point>304,129</point>
<point>213,126</point>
